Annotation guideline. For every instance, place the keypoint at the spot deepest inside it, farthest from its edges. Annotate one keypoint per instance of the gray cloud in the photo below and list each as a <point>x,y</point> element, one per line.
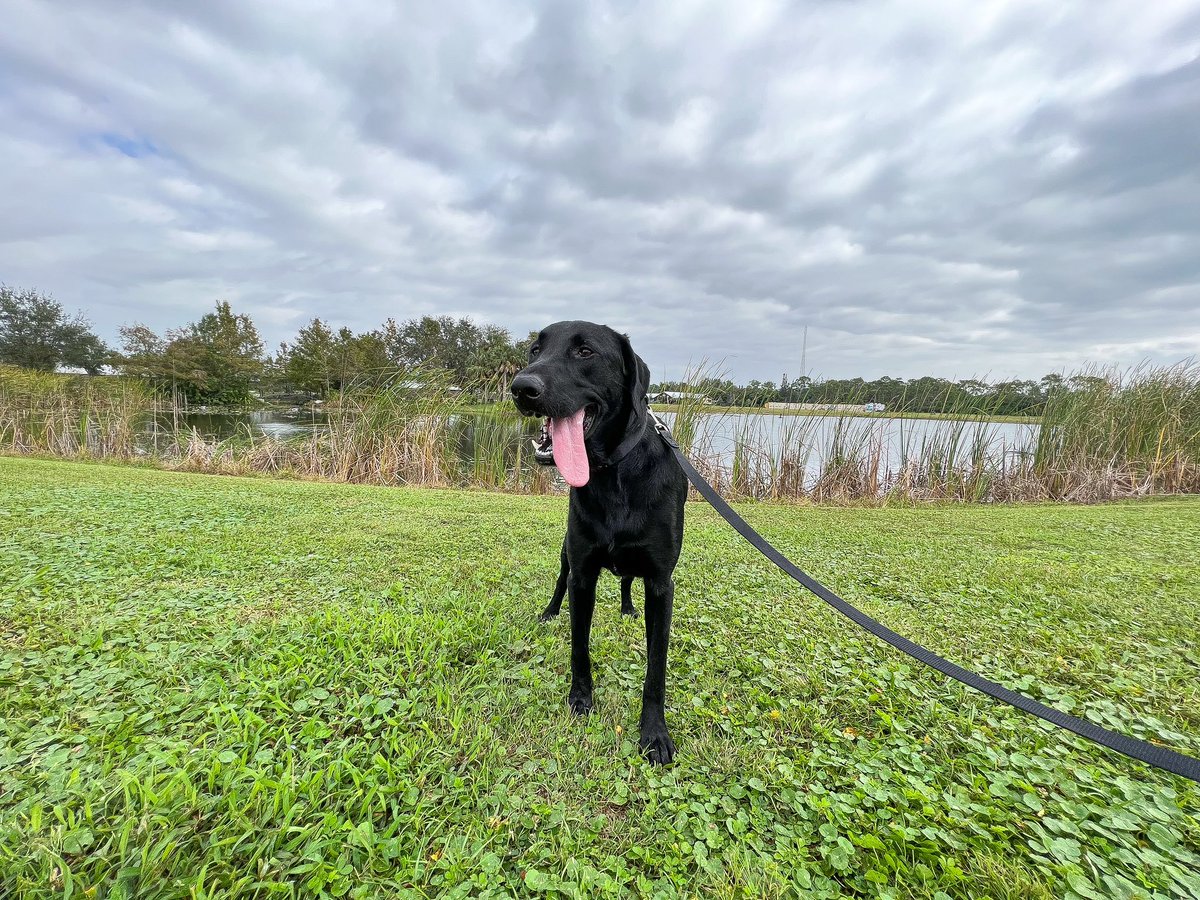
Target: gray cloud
<point>1004,189</point>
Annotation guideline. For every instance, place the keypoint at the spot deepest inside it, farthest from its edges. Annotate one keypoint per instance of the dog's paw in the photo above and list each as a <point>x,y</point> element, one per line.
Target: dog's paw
<point>629,611</point>
<point>580,703</point>
<point>549,613</point>
<point>656,744</point>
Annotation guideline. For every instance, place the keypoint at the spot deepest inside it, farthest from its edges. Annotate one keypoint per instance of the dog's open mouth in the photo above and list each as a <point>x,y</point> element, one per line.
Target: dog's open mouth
<point>561,444</point>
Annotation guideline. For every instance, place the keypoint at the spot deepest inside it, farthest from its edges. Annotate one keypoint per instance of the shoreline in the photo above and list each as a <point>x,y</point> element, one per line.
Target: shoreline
<point>505,410</point>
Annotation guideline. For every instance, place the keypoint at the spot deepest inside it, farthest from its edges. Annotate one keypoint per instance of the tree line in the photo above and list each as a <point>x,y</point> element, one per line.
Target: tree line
<point>220,360</point>
<point>917,395</point>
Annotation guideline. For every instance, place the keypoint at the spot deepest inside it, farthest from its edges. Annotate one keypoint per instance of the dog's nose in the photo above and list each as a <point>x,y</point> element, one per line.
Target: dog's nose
<point>527,387</point>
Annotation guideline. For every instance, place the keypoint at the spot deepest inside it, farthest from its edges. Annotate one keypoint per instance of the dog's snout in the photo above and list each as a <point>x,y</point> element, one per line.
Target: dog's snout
<point>527,387</point>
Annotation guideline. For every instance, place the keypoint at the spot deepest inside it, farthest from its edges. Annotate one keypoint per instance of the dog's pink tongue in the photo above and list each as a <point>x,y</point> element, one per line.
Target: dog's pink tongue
<point>569,453</point>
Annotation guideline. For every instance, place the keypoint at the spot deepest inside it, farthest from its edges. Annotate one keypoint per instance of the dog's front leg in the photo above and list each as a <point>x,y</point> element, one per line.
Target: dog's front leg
<point>655,742</point>
<point>582,585</point>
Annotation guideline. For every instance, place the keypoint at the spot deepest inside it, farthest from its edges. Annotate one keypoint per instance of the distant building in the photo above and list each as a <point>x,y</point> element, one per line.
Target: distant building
<point>679,397</point>
<point>829,407</point>
<point>423,385</point>
<point>80,370</point>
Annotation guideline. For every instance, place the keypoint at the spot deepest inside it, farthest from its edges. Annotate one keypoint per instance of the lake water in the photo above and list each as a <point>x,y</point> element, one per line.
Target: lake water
<point>895,439</point>
<point>718,435</point>
<point>276,423</point>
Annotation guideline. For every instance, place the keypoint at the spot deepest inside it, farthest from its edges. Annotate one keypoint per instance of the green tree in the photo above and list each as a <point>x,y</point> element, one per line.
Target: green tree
<point>143,353</point>
<point>494,362</point>
<point>974,387</point>
<point>309,360</point>
<point>36,333</point>
<point>216,359</point>
<point>360,359</point>
<point>480,355</point>
<point>756,393</point>
<point>324,362</point>
<point>444,342</point>
<point>171,363</point>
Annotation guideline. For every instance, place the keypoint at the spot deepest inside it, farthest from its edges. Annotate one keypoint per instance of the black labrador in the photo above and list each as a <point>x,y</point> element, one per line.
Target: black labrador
<point>627,495</point>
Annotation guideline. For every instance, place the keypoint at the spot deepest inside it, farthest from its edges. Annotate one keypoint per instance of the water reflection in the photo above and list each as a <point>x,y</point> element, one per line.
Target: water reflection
<point>275,423</point>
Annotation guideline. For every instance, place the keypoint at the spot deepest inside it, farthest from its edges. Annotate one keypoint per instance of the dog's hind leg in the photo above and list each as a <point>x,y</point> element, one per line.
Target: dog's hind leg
<point>655,742</point>
<point>627,597</point>
<point>560,588</point>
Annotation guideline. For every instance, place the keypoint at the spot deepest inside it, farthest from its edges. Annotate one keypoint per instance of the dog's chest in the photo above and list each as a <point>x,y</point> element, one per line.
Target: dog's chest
<point>626,561</point>
<point>619,545</point>
<point>627,550</point>
<point>626,532</point>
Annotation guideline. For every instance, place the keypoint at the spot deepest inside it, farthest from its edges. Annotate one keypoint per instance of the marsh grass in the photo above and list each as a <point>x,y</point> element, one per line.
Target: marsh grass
<point>71,416</point>
<point>1123,434</point>
<point>494,451</point>
<point>396,435</point>
<point>412,431</point>
<point>1112,435</point>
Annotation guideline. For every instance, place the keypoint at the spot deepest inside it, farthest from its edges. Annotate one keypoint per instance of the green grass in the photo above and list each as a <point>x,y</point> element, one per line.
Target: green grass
<point>226,687</point>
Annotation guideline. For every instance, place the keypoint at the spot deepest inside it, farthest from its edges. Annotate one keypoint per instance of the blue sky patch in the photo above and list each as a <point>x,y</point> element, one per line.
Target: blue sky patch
<point>135,147</point>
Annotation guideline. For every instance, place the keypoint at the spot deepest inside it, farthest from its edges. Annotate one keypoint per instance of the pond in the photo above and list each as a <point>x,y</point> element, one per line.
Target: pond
<point>281,423</point>
<point>894,440</point>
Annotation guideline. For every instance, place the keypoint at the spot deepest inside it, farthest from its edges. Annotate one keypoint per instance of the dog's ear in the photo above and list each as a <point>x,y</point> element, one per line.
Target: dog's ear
<point>637,374</point>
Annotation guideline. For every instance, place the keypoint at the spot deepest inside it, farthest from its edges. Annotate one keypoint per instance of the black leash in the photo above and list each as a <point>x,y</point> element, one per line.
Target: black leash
<point>1159,757</point>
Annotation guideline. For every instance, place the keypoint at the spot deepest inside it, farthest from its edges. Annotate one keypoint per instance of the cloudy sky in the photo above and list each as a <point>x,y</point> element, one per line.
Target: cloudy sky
<point>931,187</point>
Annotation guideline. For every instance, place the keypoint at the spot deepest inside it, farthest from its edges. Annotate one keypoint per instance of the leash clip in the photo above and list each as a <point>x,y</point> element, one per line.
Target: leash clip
<point>660,426</point>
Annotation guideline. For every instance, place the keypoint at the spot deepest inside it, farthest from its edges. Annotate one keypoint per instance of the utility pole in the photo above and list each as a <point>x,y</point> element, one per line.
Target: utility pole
<point>803,354</point>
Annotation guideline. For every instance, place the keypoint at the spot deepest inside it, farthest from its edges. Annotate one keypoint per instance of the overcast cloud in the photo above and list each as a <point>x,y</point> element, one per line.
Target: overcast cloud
<point>958,189</point>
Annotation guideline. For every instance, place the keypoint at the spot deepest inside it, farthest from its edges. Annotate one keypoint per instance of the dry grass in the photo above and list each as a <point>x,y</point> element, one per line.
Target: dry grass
<point>1119,434</point>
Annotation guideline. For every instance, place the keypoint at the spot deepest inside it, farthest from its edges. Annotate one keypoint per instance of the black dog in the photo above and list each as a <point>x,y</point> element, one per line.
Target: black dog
<point>627,497</point>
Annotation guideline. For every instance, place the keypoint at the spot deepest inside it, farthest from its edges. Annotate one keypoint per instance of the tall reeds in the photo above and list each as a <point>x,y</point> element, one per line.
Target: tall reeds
<point>396,434</point>
<point>71,415</point>
<point>1120,434</point>
<point>1104,435</point>
<point>411,431</point>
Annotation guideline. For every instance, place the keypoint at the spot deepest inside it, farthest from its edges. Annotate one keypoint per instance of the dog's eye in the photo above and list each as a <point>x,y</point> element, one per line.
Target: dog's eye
<point>585,352</point>
<point>534,351</point>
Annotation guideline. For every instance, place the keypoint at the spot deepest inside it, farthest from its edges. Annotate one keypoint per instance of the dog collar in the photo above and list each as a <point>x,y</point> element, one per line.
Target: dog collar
<point>623,448</point>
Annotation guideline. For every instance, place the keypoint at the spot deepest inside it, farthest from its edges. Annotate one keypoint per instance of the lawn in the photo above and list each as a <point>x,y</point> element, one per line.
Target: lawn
<point>227,687</point>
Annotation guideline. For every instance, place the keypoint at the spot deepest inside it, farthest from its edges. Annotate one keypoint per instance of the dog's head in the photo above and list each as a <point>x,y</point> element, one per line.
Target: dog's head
<point>588,384</point>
